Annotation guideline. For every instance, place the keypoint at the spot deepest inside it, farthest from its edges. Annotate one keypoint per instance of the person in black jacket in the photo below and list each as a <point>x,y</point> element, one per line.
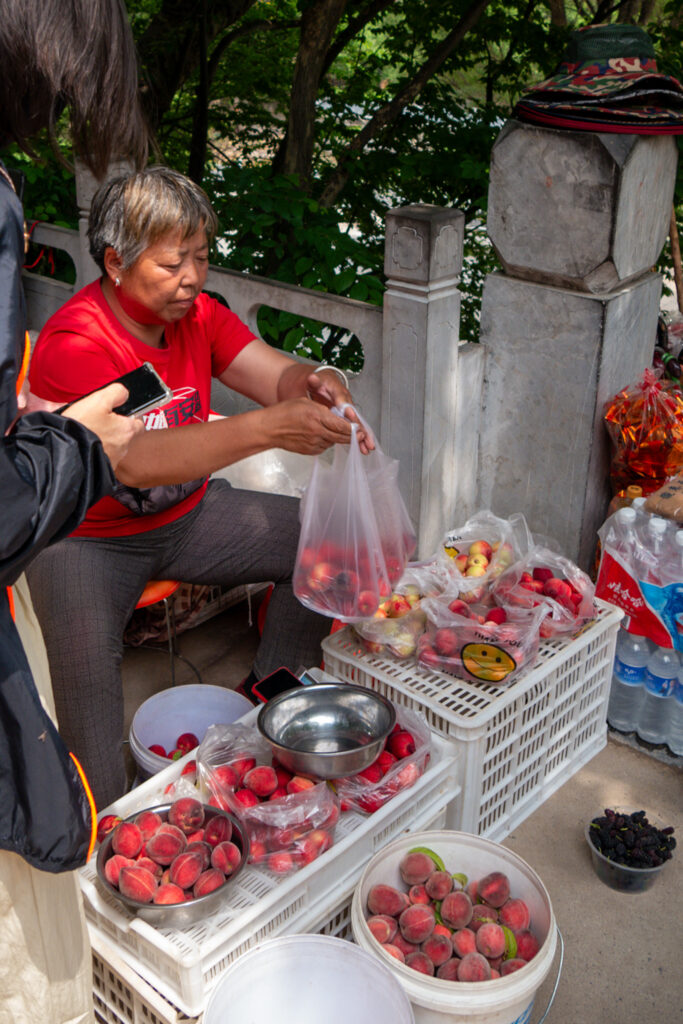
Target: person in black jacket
<point>53,53</point>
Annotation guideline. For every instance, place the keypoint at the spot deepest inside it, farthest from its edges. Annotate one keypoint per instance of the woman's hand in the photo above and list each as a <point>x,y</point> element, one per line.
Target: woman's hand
<point>96,413</point>
<point>306,427</point>
<point>326,387</point>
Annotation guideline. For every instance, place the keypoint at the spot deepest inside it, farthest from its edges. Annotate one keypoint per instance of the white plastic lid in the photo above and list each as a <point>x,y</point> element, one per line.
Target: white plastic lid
<point>678,539</point>
<point>626,515</point>
<point>657,525</point>
<point>638,502</point>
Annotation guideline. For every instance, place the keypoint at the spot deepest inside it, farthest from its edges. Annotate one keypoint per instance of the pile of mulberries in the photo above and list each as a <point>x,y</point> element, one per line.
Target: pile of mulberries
<point>631,840</point>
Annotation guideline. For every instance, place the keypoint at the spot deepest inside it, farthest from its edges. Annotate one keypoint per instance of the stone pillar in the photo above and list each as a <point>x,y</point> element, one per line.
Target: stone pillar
<point>419,417</point>
<point>86,187</point>
<point>577,220</point>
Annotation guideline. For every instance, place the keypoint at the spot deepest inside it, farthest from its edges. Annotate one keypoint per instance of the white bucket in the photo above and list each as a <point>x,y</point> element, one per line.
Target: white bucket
<point>305,979</point>
<point>506,1000</point>
<point>163,717</point>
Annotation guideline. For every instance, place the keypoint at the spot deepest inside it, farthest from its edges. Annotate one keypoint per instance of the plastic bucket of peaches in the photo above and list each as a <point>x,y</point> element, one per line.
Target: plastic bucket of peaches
<point>464,924</point>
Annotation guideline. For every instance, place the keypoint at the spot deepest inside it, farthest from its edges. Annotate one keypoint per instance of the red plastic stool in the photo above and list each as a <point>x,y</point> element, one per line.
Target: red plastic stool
<point>163,590</point>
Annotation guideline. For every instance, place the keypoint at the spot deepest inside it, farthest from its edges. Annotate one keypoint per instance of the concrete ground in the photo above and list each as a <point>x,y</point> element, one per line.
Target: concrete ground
<point>621,951</point>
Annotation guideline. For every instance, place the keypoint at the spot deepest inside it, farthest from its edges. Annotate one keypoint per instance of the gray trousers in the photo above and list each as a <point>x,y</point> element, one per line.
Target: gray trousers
<point>84,591</point>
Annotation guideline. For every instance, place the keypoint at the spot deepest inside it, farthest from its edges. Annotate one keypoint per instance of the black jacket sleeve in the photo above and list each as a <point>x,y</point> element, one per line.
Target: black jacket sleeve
<point>51,468</point>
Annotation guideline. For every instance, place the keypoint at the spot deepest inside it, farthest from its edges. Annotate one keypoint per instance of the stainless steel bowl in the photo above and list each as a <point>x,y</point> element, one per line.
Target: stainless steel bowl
<point>327,729</point>
<point>176,915</point>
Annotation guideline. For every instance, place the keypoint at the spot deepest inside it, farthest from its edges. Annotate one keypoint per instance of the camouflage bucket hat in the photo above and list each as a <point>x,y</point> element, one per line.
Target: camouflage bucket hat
<point>607,81</point>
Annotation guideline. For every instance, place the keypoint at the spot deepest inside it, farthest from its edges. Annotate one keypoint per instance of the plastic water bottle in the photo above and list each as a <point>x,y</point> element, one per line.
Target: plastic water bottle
<point>627,692</point>
<point>661,676</point>
<point>675,737</point>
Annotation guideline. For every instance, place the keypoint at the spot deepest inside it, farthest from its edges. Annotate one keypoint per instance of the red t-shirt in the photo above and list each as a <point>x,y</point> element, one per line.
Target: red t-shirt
<point>83,346</point>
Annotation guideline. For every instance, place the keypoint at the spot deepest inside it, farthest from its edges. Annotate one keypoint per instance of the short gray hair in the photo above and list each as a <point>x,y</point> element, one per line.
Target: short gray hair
<point>133,211</point>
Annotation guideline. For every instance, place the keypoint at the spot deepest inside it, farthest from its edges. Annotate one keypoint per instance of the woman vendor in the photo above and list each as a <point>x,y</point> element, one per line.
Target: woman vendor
<point>149,234</point>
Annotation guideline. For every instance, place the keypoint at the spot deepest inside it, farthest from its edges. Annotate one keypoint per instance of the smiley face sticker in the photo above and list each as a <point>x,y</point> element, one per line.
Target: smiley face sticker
<point>487,662</point>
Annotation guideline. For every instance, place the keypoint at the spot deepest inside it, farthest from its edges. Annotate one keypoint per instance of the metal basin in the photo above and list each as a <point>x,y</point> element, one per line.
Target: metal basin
<point>327,729</point>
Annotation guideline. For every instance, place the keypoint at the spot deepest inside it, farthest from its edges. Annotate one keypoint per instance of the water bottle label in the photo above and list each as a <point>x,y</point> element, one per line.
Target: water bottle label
<point>632,675</point>
<point>678,691</point>
<point>659,685</point>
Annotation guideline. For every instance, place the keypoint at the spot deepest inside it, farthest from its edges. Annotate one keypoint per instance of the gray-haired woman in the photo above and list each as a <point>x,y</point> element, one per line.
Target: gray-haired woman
<point>149,233</point>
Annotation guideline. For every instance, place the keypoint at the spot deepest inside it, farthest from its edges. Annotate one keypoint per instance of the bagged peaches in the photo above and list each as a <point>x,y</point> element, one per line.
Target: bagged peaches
<point>290,820</point>
<point>356,536</point>
<point>481,550</point>
<point>399,765</point>
<point>547,578</point>
<point>480,643</point>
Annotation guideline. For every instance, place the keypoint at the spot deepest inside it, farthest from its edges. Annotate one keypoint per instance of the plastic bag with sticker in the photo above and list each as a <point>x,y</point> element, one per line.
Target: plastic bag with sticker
<point>546,578</point>
<point>290,820</point>
<point>403,760</point>
<point>478,645</point>
<point>356,535</point>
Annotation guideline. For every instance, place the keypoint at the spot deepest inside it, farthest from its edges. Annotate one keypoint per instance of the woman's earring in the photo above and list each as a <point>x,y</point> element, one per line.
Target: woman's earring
<point>117,282</point>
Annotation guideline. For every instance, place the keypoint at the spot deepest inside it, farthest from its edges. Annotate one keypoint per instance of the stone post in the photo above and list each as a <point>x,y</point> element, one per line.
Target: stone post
<point>577,220</point>
<point>420,382</point>
<point>86,187</point>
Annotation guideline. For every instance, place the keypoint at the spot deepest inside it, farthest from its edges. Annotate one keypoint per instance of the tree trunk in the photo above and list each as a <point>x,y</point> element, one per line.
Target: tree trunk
<point>318,24</point>
<point>200,121</point>
<point>558,14</point>
<point>389,113</point>
<point>676,259</point>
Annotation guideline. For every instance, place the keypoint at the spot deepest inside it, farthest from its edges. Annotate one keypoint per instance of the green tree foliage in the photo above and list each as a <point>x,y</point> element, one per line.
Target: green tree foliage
<point>306,120</point>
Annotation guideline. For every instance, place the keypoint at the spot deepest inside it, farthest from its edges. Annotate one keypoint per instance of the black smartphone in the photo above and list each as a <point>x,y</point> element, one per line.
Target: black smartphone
<point>146,390</point>
<point>277,682</point>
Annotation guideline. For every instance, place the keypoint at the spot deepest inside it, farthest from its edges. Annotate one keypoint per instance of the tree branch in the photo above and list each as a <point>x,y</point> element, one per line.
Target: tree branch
<point>389,113</point>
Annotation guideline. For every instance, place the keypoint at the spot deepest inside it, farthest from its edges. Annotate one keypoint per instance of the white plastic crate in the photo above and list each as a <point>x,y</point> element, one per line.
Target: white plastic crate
<point>517,744</point>
<point>183,965</point>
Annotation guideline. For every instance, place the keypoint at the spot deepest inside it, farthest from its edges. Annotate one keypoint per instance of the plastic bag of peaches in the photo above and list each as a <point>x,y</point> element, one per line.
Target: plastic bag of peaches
<point>400,764</point>
<point>356,535</point>
<point>482,549</point>
<point>290,820</point>
<point>546,579</point>
<point>479,642</point>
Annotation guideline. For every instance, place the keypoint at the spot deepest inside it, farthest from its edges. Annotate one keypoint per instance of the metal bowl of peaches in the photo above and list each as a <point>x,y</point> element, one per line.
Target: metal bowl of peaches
<point>328,730</point>
<point>192,855</point>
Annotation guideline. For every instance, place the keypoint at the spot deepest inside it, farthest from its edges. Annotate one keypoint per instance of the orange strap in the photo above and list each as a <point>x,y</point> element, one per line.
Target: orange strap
<point>10,598</point>
<point>24,363</point>
<point>91,801</point>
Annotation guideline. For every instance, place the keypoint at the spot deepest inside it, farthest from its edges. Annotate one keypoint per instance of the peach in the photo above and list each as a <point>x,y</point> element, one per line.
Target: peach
<point>464,941</point>
<point>280,862</point>
<point>127,839</point>
<point>515,914</point>
<point>241,765</point>
<point>203,849</point>
<point>415,868</point>
<point>112,868</point>
<point>299,784</point>
<point>227,857</point>
<point>106,824</point>
<point>218,830</point>
<point>321,838</point>
<point>225,776</point>
<point>474,967</point>
<point>148,822</point>
<point>438,885</point>
<point>186,869</point>
<point>394,951</point>
<point>527,944</point>
<point>208,881</point>
<point>283,774</point>
<point>449,970</point>
<point>382,927</point>
<point>372,774</point>
<point>480,914</point>
<point>405,946</point>
<point>151,865</point>
<point>401,744</point>
<point>168,893</point>
<point>246,798</point>
<point>384,899</point>
<point>278,793</point>
<point>258,851</point>
<point>187,814</point>
<point>417,923</point>
<point>494,889</point>
<point>441,929</point>
<point>261,780</point>
<point>164,847</point>
<point>438,948</point>
<point>137,884</point>
<point>418,894</point>
<point>385,760</point>
<point>420,962</point>
<point>480,547</point>
<point>305,851</point>
<point>510,966</point>
<point>456,909</point>
<point>491,940</point>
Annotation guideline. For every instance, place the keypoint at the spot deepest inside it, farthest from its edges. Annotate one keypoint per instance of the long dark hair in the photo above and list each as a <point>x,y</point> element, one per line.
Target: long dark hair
<point>78,54</point>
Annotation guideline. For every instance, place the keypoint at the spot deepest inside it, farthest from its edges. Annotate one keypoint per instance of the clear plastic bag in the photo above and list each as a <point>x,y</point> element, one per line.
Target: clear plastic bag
<point>290,820</point>
<point>482,549</point>
<point>356,535</point>
<point>389,773</point>
<point>547,578</point>
<point>475,643</point>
